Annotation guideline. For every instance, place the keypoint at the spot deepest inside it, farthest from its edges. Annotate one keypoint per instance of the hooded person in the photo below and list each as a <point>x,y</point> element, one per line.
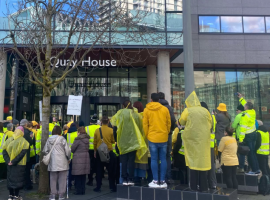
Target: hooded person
<point>14,153</point>
<point>198,123</point>
<point>129,139</point>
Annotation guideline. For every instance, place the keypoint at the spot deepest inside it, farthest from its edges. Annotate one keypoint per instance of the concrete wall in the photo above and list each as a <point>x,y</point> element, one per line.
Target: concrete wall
<point>229,49</point>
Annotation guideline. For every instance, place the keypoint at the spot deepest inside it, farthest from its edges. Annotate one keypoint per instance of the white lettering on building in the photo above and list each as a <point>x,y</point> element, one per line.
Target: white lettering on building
<point>87,63</point>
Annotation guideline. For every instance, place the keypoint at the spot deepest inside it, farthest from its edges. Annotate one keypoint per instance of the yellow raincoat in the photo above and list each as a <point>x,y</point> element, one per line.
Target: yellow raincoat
<point>197,135</point>
<point>15,145</point>
<point>129,136</point>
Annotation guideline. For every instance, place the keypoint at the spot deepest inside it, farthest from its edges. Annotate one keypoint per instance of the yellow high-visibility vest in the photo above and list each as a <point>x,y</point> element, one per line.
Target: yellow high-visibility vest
<point>264,148</point>
<point>90,130</point>
<point>3,138</point>
<point>114,150</point>
<point>70,140</point>
<point>39,136</point>
<point>182,149</point>
<point>213,135</point>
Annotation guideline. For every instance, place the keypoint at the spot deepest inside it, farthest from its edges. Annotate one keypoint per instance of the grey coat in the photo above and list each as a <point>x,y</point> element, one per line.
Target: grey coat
<point>80,160</point>
<point>60,155</point>
<point>222,123</point>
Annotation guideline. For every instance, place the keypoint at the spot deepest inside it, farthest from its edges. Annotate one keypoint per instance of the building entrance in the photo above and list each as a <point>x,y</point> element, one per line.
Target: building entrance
<point>107,110</point>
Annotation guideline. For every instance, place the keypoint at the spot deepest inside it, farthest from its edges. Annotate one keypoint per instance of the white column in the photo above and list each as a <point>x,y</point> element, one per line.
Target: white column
<point>164,77</point>
<point>3,69</point>
<point>151,81</point>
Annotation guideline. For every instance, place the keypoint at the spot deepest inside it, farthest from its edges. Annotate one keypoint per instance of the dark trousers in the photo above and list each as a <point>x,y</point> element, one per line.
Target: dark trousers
<point>149,171</point>
<point>128,165</point>
<point>3,171</point>
<point>70,176</point>
<point>250,140</point>
<point>183,175</point>
<point>263,164</point>
<point>112,170</point>
<point>80,183</point>
<point>229,176</point>
<point>92,164</point>
<point>14,192</point>
<point>198,178</point>
<point>168,158</point>
<point>28,168</point>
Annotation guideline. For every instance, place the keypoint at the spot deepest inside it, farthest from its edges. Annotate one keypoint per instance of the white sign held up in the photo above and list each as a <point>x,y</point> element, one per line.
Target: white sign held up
<point>74,105</point>
<point>40,111</point>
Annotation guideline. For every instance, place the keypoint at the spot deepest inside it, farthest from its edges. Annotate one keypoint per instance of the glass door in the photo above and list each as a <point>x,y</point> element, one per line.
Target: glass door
<point>107,110</point>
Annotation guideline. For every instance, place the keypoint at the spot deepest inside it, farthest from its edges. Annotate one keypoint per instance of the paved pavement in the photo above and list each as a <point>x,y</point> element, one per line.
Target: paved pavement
<point>105,194</point>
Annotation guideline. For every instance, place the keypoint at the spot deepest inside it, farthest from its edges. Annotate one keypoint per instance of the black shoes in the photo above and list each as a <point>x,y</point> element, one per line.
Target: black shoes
<point>89,183</point>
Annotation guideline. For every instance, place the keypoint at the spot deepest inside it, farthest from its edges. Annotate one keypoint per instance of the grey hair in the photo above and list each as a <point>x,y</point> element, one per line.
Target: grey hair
<point>9,126</point>
<point>249,105</point>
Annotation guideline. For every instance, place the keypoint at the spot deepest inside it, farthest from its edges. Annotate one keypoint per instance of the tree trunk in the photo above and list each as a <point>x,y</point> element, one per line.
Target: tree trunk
<point>43,173</point>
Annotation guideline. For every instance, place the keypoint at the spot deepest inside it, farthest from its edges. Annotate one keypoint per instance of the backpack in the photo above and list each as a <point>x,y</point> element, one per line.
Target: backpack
<point>103,150</point>
<point>264,185</point>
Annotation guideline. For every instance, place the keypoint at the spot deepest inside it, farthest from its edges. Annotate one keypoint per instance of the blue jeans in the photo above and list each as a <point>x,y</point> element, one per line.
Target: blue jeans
<point>250,140</point>
<point>241,159</point>
<point>158,153</point>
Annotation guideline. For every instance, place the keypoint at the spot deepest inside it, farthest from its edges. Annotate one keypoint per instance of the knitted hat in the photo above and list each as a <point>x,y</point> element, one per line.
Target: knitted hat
<point>81,123</point>
<point>240,107</point>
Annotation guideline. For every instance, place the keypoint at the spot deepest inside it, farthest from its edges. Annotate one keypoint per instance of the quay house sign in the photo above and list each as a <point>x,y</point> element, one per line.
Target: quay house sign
<point>85,63</point>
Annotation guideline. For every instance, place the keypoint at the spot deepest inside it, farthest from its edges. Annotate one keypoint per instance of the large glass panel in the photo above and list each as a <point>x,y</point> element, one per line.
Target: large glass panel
<point>205,87</point>
<point>248,86</point>
<point>174,38</point>
<point>209,24</point>
<point>138,85</point>
<point>254,24</point>
<point>174,22</point>
<point>231,24</point>
<point>226,87</point>
<point>264,77</point>
<point>267,19</point>
<point>118,82</point>
<point>178,90</point>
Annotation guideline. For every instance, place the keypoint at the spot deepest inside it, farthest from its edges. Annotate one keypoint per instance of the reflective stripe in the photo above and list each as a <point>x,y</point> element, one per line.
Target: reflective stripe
<point>91,137</point>
<point>243,126</point>
<point>88,130</point>
<point>265,144</point>
<point>3,140</point>
<point>182,150</point>
<point>247,115</point>
<point>69,140</point>
<point>1,154</point>
<point>38,141</point>
<point>91,143</point>
<point>37,149</point>
<point>212,140</point>
<point>263,149</point>
<point>242,133</point>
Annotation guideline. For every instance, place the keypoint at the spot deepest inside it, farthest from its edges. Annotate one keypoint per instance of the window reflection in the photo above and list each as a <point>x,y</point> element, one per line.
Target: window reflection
<point>267,20</point>
<point>209,24</point>
<point>254,25</point>
<point>264,77</point>
<point>231,24</point>
<point>174,22</point>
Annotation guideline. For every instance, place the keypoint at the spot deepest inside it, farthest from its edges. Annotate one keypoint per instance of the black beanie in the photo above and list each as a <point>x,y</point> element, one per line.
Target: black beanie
<point>81,123</point>
<point>203,104</point>
<point>240,107</point>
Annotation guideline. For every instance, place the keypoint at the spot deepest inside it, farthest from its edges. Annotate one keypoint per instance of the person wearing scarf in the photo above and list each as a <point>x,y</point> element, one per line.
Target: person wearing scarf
<point>14,153</point>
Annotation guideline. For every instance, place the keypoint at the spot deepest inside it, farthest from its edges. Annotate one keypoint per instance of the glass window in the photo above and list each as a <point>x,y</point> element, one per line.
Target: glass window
<point>226,87</point>
<point>254,25</point>
<point>248,86</point>
<point>209,24</point>
<point>118,80</point>
<point>231,24</point>
<point>264,77</point>
<point>174,22</point>
<point>174,5</point>
<point>267,19</point>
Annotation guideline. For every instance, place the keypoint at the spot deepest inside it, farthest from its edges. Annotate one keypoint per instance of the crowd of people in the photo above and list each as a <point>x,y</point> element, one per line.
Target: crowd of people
<point>138,143</point>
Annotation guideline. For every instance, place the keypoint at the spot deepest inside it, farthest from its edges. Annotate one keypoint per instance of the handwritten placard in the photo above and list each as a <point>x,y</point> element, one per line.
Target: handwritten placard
<point>74,105</point>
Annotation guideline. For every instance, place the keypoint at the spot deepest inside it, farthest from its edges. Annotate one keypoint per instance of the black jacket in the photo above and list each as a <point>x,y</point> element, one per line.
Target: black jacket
<point>173,120</point>
<point>15,173</point>
<point>179,159</point>
<point>29,140</point>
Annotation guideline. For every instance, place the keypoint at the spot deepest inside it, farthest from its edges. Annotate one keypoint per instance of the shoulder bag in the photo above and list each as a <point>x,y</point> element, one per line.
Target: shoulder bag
<point>103,150</point>
<point>46,159</point>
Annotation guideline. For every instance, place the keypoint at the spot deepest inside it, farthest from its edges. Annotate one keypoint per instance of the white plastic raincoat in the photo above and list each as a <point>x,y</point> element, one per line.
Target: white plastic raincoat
<point>197,121</point>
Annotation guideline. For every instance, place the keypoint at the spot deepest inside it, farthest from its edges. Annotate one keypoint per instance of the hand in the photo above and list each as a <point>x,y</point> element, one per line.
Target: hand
<point>239,95</point>
<point>10,163</point>
<point>95,154</point>
<point>69,161</point>
<point>31,135</point>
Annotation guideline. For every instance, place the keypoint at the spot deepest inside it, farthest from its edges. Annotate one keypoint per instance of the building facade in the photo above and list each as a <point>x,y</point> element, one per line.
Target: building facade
<point>231,47</point>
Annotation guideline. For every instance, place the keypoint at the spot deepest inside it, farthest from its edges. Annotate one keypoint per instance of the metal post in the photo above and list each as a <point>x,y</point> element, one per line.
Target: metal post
<point>188,51</point>
<point>16,87</point>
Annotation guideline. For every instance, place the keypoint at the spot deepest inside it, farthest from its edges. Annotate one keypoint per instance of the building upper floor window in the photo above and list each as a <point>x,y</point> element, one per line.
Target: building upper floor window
<point>234,24</point>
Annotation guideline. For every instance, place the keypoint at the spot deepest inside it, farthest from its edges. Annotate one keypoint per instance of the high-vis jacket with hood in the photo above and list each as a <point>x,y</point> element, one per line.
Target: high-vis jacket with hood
<point>198,123</point>
<point>156,122</point>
